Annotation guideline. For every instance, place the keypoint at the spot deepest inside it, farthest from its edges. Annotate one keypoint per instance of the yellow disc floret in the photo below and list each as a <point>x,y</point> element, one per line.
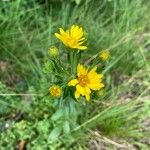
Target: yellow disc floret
<point>86,81</point>
<point>73,38</point>
<point>55,91</point>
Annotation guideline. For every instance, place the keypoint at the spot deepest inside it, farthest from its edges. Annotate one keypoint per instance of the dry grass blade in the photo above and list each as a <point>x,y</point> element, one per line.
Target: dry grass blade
<point>104,142</point>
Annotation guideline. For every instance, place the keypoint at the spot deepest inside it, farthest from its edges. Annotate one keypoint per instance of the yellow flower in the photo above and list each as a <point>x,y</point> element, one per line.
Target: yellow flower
<point>53,51</point>
<point>55,90</point>
<point>73,38</point>
<point>104,55</point>
<point>86,81</point>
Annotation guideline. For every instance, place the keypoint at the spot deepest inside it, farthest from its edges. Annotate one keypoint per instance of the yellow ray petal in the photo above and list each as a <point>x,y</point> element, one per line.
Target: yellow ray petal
<point>82,47</point>
<point>73,82</point>
<point>81,70</point>
<point>77,94</point>
<point>87,90</point>
<point>87,96</point>
<point>72,29</point>
<point>80,90</point>
<point>58,36</point>
<point>87,93</point>
<point>95,86</point>
<point>61,31</point>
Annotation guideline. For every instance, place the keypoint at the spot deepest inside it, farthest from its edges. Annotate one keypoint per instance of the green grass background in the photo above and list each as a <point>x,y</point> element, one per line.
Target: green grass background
<point>27,31</point>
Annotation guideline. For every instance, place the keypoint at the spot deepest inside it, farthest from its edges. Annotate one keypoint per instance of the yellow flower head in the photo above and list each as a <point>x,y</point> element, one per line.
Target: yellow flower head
<point>53,51</point>
<point>104,55</point>
<point>73,38</point>
<point>86,81</point>
<point>55,91</point>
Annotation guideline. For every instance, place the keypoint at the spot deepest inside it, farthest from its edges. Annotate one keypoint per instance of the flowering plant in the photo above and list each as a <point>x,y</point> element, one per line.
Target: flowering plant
<point>72,81</point>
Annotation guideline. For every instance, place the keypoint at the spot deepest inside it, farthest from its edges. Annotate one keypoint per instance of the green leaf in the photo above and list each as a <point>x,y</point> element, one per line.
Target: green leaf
<point>43,126</point>
<point>57,115</point>
<point>78,2</point>
<point>48,68</point>
<point>66,127</point>
<point>55,133</point>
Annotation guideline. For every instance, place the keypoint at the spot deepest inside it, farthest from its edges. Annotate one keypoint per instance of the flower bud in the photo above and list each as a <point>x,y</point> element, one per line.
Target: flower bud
<point>53,51</point>
<point>104,55</point>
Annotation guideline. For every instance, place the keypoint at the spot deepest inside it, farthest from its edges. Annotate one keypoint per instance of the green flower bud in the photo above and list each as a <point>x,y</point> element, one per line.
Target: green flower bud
<point>53,51</point>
